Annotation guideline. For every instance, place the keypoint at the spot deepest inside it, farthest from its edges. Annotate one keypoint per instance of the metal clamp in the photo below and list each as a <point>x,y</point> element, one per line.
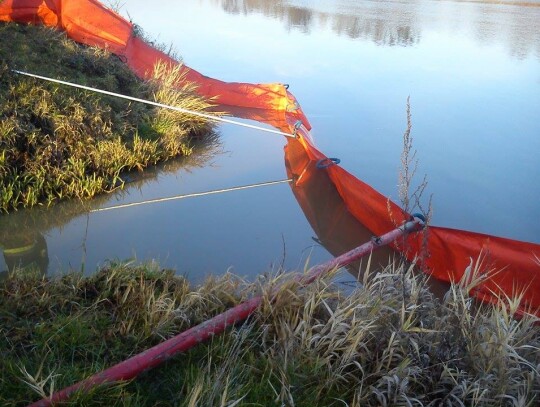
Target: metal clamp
<point>297,126</point>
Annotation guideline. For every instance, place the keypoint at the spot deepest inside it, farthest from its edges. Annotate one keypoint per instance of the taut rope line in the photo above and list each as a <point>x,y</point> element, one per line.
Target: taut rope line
<point>149,102</point>
<point>211,192</point>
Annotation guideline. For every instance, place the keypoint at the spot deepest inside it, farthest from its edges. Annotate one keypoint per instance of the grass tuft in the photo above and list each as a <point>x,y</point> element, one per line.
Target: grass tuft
<point>59,143</point>
<point>389,342</point>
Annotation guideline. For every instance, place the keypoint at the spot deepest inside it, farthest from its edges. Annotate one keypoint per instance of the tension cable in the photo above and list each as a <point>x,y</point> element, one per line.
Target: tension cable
<point>211,192</point>
<point>149,102</point>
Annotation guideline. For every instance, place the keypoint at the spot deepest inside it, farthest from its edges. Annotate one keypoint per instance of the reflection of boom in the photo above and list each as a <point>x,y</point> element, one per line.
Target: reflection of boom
<point>25,251</point>
<point>513,266</point>
<point>336,229</point>
<point>449,250</point>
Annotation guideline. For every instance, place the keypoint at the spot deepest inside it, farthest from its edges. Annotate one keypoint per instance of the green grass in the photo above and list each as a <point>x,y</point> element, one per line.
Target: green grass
<point>58,142</point>
<point>389,342</point>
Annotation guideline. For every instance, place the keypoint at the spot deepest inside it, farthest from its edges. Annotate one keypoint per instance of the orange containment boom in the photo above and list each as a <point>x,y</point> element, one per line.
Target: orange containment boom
<point>512,267</point>
<point>89,22</point>
<point>449,251</point>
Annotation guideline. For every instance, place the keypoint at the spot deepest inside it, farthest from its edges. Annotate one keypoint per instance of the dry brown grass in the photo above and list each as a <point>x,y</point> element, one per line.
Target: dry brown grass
<point>386,343</point>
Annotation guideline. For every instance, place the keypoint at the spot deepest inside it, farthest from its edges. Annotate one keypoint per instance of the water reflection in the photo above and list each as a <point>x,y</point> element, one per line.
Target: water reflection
<point>24,249</point>
<point>381,25</point>
<point>23,234</point>
<point>513,23</point>
<point>336,229</point>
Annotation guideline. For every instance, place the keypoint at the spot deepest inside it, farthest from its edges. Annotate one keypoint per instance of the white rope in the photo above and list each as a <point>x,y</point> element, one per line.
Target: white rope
<point>171,198</point>
<point>149,102</point>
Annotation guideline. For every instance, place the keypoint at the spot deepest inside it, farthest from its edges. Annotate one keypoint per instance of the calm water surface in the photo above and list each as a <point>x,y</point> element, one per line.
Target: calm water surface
<point>471,69</point>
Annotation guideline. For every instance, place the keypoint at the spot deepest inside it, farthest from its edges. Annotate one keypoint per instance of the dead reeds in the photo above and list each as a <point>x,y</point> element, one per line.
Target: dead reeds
<point>389,342</point>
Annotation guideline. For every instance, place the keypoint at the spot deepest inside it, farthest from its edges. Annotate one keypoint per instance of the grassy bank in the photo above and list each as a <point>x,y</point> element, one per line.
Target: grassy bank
<point>59,142</point>
<point>386,344</point>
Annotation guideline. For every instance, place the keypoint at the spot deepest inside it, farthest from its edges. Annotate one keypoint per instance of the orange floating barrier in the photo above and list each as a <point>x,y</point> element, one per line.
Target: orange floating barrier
<point>512,267</point>
<point>449,251</point>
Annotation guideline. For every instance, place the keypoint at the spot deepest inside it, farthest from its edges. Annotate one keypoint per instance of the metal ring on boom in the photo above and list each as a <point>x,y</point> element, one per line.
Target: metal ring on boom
<point>327,162</point>
<point>419,216</point>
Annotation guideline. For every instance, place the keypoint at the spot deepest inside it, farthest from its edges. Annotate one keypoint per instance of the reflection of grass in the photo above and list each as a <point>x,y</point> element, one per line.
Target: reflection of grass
<point>58,142</point>
<point>388,343</point>
<point>39,220</point>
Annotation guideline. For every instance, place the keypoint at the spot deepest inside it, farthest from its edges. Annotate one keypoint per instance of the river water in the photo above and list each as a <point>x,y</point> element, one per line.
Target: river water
<point>471,69</point>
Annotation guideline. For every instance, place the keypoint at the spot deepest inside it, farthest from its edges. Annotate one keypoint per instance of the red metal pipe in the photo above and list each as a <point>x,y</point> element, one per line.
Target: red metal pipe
<point>152,357</point>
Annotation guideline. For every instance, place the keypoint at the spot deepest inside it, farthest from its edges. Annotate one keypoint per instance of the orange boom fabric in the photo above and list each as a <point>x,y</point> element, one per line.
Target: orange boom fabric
<point>449,252</point>
<point>513,266</point>
<point>90,23</point>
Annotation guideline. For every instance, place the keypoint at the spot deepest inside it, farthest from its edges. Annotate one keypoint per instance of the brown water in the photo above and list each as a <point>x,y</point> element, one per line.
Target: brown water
<point>471,69</point>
